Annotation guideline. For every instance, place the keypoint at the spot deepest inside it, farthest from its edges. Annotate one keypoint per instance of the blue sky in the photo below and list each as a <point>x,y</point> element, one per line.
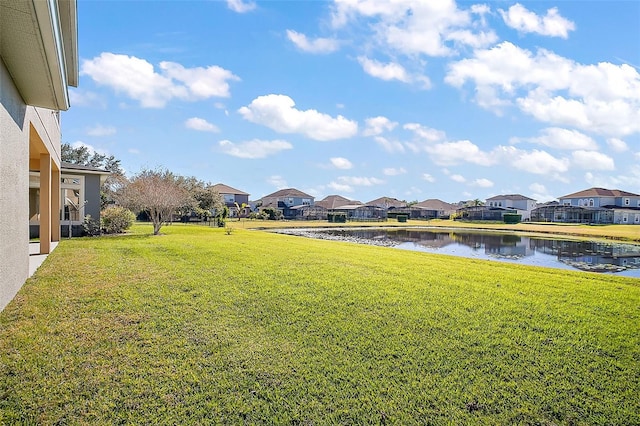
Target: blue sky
<point>406,99</point>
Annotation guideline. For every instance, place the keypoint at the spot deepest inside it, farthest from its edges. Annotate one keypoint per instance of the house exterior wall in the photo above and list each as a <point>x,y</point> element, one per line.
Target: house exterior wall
<point>588,201</point>
<point>288,201</point>
<point>627,201</point>
<point>14,189</point>
<point>35,69</point>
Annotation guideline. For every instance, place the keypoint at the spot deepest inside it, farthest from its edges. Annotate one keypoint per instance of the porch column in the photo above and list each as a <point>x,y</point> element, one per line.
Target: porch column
<point>55,205</point>
<point>45,203</point>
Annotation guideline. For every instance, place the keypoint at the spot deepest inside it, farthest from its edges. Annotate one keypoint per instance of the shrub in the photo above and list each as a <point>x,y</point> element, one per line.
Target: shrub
<point>511,218</point>
<point>115,220</point>
<point>91,226</point>
<point>337,217</point>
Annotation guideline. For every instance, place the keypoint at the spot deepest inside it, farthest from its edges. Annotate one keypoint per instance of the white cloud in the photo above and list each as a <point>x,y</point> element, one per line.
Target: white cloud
<point>319,45</point>
<point>451,153</point>
<point>592,160</point>
<point>255,148</point>
<point>629,181</point>
<point>540,193</point>
<point>536,161</point>
<point>378,125</point>
<point>277,181</point>
<point>90,148</point>
<point>432,28</point>
<point>555,137</point>
<point>424,132</point>
<point>138,79</point>
<point>428,177</point>
<point>617,145</point>
<point>482,183</point>
<point>360,181</point>
<point>602,98</point>
<point>347,183</point>
<point>100,130</point>
<point>341,163</point>
<point>552,24</point>
<point>240,6</point>
<point>133,151</point>
<point>200,124</point>
<point>391,71</point>
<point>278,113</point>
<point>458,178</point>
<point>389,145</point>
<point>392,171</point>
<point>341,187</point>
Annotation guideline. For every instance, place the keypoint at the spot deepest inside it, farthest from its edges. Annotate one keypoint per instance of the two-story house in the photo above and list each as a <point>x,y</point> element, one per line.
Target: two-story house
<point>602,205</point>
<point>523,205</point>
<point>38,62</point>
<point>233,198</point>
<point>286,200</point>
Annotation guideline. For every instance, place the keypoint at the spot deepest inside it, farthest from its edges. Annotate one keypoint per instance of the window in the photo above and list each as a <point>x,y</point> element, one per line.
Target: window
<point>637,218</point>
<point>591,202</point>
<point>580,203</point>
<point>625,218</point>
<point>72,198</point>
<point>229,198</point>
<point>306,201</point>
<point>627,202</point>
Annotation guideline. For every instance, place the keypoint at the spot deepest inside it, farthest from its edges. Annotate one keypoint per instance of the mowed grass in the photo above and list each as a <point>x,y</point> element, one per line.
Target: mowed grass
<point>199,327</point>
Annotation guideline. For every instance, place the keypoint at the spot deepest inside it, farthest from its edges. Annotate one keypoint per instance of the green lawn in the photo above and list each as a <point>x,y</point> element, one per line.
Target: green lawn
<point>196,327</point>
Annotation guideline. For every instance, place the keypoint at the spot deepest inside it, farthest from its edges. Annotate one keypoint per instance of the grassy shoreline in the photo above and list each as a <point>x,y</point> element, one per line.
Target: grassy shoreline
<point>197,326</point>
<point>622,233</point>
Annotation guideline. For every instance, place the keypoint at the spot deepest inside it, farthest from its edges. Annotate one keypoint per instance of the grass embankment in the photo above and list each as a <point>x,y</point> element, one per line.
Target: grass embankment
<point>197,326</point>
<point>627,233</point>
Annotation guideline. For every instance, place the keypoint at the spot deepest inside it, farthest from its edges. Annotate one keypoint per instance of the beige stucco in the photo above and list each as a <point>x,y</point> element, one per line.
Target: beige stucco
<point>38,60</point>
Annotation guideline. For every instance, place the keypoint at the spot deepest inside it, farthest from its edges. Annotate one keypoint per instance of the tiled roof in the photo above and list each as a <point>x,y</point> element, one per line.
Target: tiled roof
<point>514,197</point>
<point>600,192</point>
<point>333,201</point>
<point>225,189</point>
<point>387,202</point>
<point>435,204</point>
<point>288,192</point>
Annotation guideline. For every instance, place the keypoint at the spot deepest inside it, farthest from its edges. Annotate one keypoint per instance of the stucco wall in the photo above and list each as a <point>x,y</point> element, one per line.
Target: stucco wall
<point>14,190</point>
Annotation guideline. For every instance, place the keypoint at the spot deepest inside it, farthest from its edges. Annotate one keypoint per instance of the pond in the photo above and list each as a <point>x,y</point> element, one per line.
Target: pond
<point>594,256</point>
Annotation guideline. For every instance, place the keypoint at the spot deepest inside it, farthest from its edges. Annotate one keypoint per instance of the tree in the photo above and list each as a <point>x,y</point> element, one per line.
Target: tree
<point>85,156</point>
<point>159,193</point>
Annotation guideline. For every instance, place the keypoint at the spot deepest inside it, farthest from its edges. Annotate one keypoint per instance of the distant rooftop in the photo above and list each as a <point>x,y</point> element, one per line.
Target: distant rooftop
<point>600,192</point>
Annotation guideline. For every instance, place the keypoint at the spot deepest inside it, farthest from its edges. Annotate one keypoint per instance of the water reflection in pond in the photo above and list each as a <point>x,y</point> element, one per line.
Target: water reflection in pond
<point>621,259</point>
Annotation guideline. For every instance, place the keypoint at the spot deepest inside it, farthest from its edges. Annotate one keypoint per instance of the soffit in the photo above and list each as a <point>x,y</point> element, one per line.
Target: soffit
<point>26,49</point>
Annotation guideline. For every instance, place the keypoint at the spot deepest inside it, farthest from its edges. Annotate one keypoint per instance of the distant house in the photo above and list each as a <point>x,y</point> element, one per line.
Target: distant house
<point>523,205</point>
<point>436,209</point>
<point>387,203</point>
<point>285,199</point>
<point>362,212</point>
<point>231,197</point>
<point>481,212</point>
<point>593,205</point>
<point>334,201</point>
